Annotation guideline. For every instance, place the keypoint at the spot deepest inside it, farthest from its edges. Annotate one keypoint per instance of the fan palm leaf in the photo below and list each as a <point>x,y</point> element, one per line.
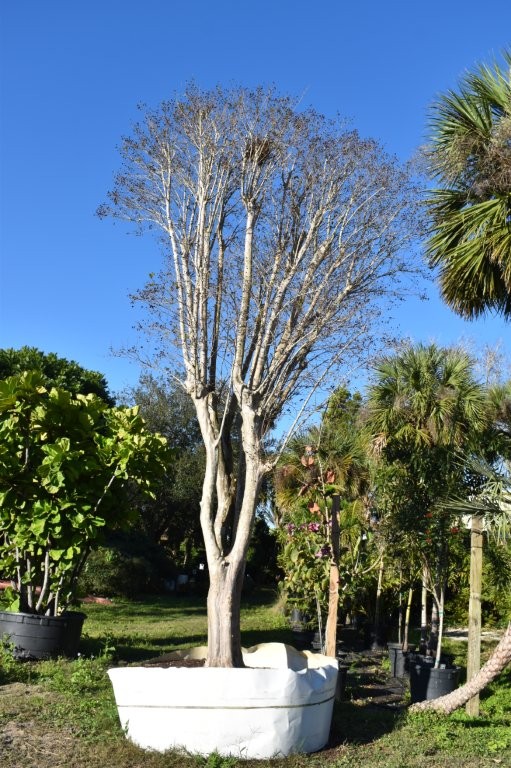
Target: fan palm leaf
<point>470,155</point>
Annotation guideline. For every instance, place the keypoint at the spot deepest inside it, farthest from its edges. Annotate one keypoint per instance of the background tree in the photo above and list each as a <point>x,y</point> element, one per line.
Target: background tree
<point>284,233</point>
<point>470,155</point>
<point>56,372</point>
<point>426,410</point>
<point>173,513</point>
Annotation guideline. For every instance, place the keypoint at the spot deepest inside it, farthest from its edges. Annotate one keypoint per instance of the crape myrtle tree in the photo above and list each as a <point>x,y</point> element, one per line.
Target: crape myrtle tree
<point>283,234</point>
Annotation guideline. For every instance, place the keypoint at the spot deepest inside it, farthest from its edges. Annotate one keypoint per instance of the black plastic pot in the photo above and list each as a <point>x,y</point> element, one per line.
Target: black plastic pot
<point>341,682</point>
<point>399,659</point>
<point>42,637</point>
<point>428,683</point>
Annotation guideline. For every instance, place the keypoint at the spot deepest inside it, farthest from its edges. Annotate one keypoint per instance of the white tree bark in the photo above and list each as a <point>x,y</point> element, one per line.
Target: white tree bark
<point>283,235</point>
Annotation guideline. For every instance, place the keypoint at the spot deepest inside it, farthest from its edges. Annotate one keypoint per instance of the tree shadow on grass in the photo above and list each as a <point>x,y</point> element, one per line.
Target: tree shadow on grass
<point>355,724</point>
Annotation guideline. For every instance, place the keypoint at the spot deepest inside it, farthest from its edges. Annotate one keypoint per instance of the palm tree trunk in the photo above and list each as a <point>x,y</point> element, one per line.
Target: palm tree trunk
<point>499,659</point>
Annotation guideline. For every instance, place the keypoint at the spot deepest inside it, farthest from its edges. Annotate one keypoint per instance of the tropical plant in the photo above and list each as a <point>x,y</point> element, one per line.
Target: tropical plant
<point>321,484</point>
<point>68,467</point>
<point>425,411</point>
<point>470,155</point>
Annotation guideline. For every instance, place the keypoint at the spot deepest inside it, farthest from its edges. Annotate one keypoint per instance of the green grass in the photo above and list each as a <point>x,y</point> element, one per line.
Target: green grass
<point>61,714</point>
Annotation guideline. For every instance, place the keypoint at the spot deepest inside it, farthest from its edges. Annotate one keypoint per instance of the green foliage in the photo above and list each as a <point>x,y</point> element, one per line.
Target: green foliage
<point>128,565</point>
<point>217,761</point>
<point>173,512</point>
<point>428,416</point>
<point>469,155</point>
<point>327,460</point>
<point>67,469</point>
<point>56,372</point>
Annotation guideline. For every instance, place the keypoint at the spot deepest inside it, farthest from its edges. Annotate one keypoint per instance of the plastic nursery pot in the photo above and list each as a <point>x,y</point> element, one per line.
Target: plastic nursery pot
<point>428,683</point>
<point>280,703</point>
<point>42,637</point>
<point>399,659</point>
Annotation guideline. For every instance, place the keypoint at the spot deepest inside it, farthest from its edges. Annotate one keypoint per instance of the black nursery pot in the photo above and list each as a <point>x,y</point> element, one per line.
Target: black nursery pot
<point>428,683</point>
<point>399,659</point>
<point>42,637</point>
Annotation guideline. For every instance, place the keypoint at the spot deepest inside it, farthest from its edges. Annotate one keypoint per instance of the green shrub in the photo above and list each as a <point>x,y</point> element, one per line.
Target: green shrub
<point>127,566</point>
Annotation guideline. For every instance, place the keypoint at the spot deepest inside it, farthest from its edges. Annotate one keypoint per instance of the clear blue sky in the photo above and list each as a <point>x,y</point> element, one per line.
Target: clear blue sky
<point>72,73</point>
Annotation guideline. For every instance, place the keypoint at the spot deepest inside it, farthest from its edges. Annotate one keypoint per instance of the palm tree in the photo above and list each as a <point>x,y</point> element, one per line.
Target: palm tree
<point>424,409</point>
<point>470,156</point>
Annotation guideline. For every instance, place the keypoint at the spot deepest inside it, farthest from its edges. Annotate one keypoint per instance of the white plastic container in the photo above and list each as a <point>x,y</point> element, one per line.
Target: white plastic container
<point>279,704</point>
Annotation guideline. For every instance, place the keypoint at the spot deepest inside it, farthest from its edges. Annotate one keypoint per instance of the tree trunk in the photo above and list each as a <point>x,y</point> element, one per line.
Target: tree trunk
<point>499,659</point>
<point>432,646</point>
<point>333,595</point>
<point>441,619</point>
<point>377,639</point>
<point>224,599</point>
<point>407,619</point>
<point>474,609</point>
<point>424,611</point>
<point>400,621</point>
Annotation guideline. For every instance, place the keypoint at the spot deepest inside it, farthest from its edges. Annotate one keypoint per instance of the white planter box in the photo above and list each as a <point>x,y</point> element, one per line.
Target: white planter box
<point>280,704</point>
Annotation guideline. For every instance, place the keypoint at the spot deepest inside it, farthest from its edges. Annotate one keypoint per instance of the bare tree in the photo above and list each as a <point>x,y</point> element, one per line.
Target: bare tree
<point>284,235</point>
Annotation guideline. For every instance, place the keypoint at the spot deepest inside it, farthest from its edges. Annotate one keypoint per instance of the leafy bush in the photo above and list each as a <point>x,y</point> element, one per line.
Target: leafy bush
<point>126,566</point>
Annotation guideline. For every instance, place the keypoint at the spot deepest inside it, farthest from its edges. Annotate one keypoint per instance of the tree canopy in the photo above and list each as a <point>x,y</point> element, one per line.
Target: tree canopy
<point>68,466</point>
<point>56,371</point>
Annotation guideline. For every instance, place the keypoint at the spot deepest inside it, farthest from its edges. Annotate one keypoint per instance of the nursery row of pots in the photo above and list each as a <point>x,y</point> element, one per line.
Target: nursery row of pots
<point>426,681</point>
<point>304,686</point>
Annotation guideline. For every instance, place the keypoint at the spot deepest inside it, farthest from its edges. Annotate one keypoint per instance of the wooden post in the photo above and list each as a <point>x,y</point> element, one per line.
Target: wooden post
<point>333,596</point>
<point>474,609</point>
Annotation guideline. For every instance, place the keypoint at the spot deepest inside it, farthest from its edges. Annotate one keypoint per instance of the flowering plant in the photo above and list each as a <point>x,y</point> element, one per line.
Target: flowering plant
<point>305,557</point>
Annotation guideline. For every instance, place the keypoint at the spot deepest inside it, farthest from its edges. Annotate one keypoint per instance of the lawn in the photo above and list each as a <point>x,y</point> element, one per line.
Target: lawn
<point>61,714</point>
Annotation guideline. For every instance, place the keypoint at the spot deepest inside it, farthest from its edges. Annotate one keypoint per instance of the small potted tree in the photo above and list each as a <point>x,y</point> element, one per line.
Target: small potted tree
<point>67,467</point>
<point>427,413</point>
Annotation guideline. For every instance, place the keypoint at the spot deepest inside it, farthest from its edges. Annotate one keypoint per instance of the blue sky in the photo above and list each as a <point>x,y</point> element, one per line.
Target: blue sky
<point>72,73</point>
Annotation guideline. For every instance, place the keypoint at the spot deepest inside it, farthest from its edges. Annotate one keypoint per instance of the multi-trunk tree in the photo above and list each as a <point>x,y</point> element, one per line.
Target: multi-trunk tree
<point>283,235</point>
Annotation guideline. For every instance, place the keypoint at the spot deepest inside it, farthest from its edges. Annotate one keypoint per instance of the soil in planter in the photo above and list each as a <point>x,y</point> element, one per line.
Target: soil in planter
<point>165,662</point>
